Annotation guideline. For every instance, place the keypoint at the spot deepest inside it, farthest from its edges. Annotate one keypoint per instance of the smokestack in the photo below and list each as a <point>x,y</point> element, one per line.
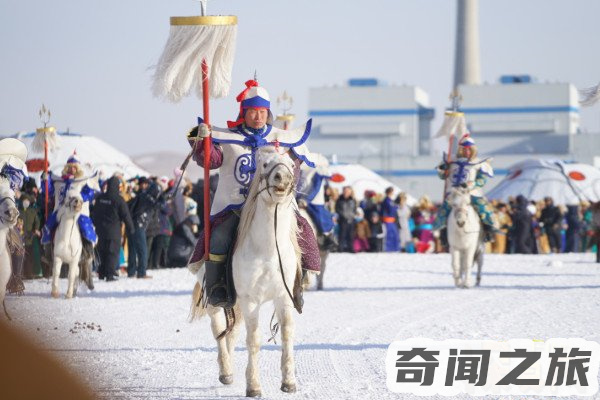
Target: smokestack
<point>466,61</point>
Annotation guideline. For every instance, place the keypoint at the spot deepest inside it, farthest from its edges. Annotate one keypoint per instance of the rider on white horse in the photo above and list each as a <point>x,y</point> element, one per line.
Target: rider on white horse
<point>71,173</point>
<point>233,151</point>
<point>311,195</point>
<point>470,172</point>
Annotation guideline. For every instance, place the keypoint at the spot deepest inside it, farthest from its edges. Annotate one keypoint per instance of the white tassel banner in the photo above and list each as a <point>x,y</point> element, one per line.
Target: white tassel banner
<point>590,96</point>
<point>179,69</point>
<point>45,134</point>
<point>454,124</point>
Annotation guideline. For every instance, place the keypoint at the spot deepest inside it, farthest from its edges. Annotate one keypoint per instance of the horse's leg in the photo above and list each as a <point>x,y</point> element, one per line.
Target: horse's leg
<point>250,312</point>
<point>73,275</point>
<point>286,320</point>
<point>231,338</point>
<point>467,264</point>
<point>324,255</point>
<point>479,259</point>
<point>55,276</point>
<point>218,325</point>
<point>5,271</point>
<point>455,266</point>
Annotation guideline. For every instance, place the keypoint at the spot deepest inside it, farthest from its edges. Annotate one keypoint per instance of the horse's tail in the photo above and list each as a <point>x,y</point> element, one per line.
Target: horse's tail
<point>197,309</point>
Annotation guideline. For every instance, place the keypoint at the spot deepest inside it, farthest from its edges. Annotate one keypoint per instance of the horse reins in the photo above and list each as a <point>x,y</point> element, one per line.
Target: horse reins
<point>297,306</point>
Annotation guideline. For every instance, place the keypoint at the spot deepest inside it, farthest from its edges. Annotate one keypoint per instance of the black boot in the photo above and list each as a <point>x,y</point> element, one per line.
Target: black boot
<point>329,242</point>
<point>444,237</point>
<point>489,233</point>
<point>216,284</point>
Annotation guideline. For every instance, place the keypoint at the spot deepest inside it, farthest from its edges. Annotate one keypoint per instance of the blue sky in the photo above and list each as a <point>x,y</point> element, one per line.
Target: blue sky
<point>89,60</point>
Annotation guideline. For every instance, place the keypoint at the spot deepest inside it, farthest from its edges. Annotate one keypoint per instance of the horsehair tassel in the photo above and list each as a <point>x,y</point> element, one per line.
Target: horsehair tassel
<point>192,40</point>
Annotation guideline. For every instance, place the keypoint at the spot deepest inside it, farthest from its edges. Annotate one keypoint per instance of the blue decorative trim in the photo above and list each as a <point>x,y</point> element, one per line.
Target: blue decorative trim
<point>363,113</point>
<point>519,110</point>
<point>303,158</point>
<point>304,137</point>
<point>256,102</point>
<point>316,186</point>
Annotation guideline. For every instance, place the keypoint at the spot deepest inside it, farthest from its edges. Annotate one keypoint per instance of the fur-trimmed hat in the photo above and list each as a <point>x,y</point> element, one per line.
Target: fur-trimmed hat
<point>73,159</point>
<point>466,141</point>
<point>253,96</point>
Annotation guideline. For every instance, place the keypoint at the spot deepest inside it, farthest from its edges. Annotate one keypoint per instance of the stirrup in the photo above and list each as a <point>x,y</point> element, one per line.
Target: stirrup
<point>217,296</point>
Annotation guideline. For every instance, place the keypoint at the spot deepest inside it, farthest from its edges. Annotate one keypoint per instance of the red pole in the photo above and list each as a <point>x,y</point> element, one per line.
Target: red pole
<point>47,177</point>
<point>207,144</point>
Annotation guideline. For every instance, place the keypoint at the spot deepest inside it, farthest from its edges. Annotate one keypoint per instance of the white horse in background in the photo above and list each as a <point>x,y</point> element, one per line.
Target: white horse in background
<point>8,238</point>
<point>266,265</point>
<point>465,238</point>
<point>67,243</point>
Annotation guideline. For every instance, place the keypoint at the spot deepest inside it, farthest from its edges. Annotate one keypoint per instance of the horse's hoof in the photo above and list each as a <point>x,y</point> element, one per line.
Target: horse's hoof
<point>253,393</point>
<point>68,296</point>
<point>288,387</point>
<point>226,379</point>
<point>55,295</point>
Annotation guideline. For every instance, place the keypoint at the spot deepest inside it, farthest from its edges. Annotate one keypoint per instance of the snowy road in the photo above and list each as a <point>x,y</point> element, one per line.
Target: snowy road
<point>147,350</point>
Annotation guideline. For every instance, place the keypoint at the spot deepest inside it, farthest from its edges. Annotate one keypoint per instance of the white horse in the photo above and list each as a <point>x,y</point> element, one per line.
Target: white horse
<point>465,237</point>
<point>8,218</point>
<point>68,246</point>
<point>266,264</point>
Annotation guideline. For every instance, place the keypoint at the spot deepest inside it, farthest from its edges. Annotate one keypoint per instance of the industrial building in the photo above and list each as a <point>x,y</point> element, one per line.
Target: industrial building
<point>389,128</point>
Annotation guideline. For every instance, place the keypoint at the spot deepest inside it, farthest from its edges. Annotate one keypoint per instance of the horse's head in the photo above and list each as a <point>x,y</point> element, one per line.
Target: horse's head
<point>275,173</point>
<point>460,200</point>
<point>8,209</point>
<point>73,202</point>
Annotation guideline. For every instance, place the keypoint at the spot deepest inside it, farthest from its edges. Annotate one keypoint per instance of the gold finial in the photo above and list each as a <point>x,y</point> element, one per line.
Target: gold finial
<point>456,99</point>
<point>45,115</point>
<point>285,101</point>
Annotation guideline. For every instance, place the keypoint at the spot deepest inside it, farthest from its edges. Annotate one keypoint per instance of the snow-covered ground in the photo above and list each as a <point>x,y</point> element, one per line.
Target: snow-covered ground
<point>145,348</point>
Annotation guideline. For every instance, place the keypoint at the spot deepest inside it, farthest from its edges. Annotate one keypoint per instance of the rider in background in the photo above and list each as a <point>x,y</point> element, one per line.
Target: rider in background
<point>71,173</point>
<point>469,172</point>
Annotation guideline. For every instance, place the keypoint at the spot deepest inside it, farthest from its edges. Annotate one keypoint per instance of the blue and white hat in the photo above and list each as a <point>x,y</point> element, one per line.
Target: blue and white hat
<point>253,96</point>
<point>466,141</point>
<point>73,159</point>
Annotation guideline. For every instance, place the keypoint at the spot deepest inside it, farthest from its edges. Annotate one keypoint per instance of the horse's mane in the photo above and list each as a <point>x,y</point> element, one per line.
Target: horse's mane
<point>249,208</point>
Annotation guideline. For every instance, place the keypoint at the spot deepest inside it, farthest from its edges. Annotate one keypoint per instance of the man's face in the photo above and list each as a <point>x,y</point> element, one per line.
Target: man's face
<point>465,152</point>
<point>256,118</point>
<point>71,170</point>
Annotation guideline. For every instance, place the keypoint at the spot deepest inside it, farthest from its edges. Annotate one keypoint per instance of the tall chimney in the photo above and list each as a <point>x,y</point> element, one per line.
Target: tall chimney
<point>466,61</point>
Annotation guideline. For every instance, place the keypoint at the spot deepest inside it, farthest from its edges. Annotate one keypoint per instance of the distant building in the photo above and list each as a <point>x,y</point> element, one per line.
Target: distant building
<point>366,119</point>
<point>519,116</point>
<point>388,128</point>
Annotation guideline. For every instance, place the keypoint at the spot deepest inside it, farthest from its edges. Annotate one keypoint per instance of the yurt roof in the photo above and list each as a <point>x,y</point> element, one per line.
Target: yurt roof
<point>567,183</point>
<point>94,154</point>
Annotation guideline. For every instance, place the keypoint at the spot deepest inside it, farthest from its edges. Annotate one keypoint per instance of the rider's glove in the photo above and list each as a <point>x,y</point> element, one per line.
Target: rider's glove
<point>203,130</point>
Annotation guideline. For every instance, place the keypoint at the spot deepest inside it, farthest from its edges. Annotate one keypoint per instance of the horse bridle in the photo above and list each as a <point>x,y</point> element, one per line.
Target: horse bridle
<point>266,176</point>
<point>3,199</point>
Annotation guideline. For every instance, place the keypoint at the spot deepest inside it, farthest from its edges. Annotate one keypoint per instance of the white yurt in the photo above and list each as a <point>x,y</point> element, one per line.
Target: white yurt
<point>567,183</point>
<point>95,155</point>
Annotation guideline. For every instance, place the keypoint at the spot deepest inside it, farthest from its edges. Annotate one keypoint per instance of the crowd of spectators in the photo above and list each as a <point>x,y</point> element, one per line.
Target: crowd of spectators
<point>141,224</point>
<point>385,222</point>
